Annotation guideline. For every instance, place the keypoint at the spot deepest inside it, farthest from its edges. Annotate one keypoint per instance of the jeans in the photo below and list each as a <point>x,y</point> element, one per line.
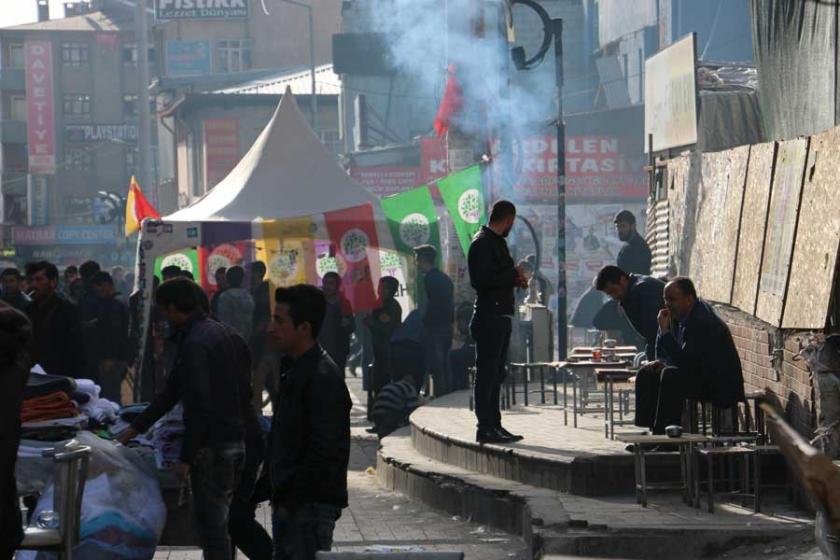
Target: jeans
<point>214,476</point>
<point>438,343</point>
<point>298,535</point>
<point>246,533</point>
<point>492,338</point>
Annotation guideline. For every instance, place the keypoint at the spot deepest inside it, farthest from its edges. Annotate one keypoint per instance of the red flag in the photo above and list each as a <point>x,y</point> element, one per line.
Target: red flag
<point>137,208</point>
<point>353,232</point>
<point>452,102</point>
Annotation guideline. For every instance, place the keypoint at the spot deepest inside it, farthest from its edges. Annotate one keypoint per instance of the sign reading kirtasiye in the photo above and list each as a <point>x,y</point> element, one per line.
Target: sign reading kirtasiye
<point>201,9</point>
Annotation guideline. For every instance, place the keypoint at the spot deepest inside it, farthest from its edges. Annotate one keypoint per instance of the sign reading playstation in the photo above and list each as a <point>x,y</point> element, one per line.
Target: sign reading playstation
<point>201,9</point>
<point>101,133</point>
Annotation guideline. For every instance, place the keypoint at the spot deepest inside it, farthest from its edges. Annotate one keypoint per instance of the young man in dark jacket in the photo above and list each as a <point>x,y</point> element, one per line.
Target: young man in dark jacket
<point>437,319</point>
<point>493,275</point>
<point>310,448</point>
<point>205,378</point>
<point>57,342</point>
<point>382,322</point>
<point>634,255</point>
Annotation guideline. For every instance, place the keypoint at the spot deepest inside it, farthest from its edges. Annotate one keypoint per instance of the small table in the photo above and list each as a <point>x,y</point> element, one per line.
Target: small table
<point>582,370</point>
<point>609,377</point>
<point>685,445</point>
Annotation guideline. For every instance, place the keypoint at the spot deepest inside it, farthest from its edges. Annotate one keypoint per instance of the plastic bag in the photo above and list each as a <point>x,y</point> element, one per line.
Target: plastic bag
<point>123,513</point>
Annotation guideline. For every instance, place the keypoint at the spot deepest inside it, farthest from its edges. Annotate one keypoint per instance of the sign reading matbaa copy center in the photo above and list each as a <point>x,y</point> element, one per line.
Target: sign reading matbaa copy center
<point>671,96</point>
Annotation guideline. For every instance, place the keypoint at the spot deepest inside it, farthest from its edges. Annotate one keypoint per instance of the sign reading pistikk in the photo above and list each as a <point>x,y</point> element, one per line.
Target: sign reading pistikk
<point>201,9</point>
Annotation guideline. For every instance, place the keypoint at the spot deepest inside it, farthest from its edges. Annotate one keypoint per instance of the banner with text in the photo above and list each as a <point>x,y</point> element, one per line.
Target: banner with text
<point>387,181</point>
<point>40,107</point>
<point>221,149</point>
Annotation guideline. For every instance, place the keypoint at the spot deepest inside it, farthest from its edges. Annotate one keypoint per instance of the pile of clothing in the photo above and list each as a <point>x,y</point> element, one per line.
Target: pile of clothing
<point>48,413</point>
<point>165,438</point>
<point>100,411</point>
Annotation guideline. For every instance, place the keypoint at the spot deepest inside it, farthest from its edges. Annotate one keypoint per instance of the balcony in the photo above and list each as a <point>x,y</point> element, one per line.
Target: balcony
<point>12,79</point>
<point>13,132</point>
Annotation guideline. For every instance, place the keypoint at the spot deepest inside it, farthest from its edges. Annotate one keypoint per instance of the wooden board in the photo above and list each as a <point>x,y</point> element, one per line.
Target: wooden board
<point>812,274</point>
<point>720,195</point>
<point>781,229</point>
<point>678,171</point>
<point>753,221</point>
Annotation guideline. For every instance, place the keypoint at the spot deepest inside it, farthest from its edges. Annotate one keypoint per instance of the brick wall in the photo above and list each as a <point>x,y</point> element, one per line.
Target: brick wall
<point>769,360</point>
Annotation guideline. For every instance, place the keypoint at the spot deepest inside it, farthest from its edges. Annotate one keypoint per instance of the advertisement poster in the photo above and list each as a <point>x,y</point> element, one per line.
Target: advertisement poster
<point>221,149</point>
<point>598,168</point>
<point>187,58</point>
<point>40,107</point>
<point>434,163</point>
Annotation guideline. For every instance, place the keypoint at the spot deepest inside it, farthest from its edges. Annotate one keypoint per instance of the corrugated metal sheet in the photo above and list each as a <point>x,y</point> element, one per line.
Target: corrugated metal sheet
<point>656,235</point>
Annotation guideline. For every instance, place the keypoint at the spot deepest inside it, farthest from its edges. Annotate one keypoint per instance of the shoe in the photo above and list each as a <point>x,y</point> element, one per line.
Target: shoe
<point>490,436</point>
<point>510,436</point>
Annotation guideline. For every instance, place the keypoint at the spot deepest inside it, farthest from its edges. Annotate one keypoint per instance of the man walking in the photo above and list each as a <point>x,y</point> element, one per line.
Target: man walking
<point>310,448</point>
<point>494,276</point>
<point>57,343</point>
<point>111,329</point>
<point>205,378</point>
<point>437,319</point>
<point>634,255</point>
<point>12,294</point>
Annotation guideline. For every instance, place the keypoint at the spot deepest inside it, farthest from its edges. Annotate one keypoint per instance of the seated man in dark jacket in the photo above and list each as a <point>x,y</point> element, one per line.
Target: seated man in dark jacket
<point>310,434</point>
<point>697,359</point>
<point>640,299</point>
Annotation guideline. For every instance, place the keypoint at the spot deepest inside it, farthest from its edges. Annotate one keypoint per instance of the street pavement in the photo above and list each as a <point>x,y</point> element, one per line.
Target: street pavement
<point>379,520</point>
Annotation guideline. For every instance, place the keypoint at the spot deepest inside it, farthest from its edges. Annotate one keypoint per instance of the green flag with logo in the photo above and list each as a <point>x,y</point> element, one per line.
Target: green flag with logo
<point>463,194</point>
<point>412,218</point>
<point>186,260</point>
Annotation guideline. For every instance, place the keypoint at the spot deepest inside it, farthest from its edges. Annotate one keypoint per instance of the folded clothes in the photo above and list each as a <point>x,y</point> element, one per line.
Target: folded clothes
<point>101,410</point>
<point>48,407</point>
<point>78,421</point>
<point>80,398</point>
<point>38,385</point>
<point>51,434</point>
<point>132,411</point>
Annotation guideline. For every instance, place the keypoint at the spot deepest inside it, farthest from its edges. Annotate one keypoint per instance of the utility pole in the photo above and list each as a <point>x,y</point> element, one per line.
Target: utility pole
<point>143,117</point>
<point>562,321</point>
<point>313,101</point>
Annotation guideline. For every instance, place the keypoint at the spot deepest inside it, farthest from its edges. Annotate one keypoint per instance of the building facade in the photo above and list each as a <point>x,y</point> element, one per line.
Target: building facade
<point>68,115</point>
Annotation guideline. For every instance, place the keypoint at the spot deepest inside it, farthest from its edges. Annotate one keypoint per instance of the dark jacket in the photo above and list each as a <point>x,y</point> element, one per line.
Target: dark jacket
<point>250,421</point>
<point>440,306</point>
<point>18,300</point>
<point>641,306</point>
<point>111,327</point>
<point>492,273</point>
<point>57,342</point>
<point>310,448</point>
<point>337,328</point>
<point>15,332</point>
<point>205,378</point>
<point>634,256</point>
<point>705,349</point>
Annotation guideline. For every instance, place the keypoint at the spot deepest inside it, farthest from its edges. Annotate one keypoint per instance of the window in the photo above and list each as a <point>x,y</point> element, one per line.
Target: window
<point>130,105</point>
<point>332,140</point>
<point>75,54</point>
<point>233,56</point>
<point>77,105</point>
<point>14,209</point>
<point>129,54</point>
<point>78,158</point>
<point>17,107</point>
<point>16,55</point>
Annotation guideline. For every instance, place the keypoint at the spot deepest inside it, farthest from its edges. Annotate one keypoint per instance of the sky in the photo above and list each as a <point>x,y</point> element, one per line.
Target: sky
<point>16,12</point>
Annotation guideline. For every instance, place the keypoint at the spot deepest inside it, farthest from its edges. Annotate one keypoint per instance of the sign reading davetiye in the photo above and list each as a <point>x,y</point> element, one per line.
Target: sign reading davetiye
<point>201,9</point>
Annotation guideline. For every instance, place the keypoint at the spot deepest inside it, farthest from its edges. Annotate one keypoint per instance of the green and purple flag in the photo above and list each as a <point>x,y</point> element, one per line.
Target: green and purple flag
<point>463,194</point>
<point>412,218</point>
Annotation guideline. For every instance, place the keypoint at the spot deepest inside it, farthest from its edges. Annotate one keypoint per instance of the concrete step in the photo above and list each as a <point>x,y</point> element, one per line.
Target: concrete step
<point>553,522</point>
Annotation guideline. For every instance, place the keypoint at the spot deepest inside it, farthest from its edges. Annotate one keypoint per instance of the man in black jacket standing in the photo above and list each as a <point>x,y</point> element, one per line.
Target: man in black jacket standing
<point>494,276</point>
<point>634,255</point>
<point>640,298</point>
<point>697,358</point>
<point>437,318</point>
<point>57,342</point>
<point>111,328</point>
<point>310,448</point>
<point>205,378</point>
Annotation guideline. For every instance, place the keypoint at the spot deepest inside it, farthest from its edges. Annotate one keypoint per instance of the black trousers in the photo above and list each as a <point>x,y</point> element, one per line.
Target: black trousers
<point>492,339</point>
<point>246,533</point>
<point>660,397</point>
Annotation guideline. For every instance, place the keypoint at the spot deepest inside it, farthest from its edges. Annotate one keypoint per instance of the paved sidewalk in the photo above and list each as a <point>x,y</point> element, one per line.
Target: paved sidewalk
<point>381,520</point>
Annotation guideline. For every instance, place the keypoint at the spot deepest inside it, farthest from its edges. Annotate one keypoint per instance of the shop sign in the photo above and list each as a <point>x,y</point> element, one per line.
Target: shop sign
<point>40,107</point>
<point>387,181</point>
<point>201,9</point>
<point>101,133</point>
<point>64,235</point>
<point>187,58</point>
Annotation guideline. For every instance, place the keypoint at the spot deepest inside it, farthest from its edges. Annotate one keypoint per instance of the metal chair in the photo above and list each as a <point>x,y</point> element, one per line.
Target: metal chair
<point>70,468</point>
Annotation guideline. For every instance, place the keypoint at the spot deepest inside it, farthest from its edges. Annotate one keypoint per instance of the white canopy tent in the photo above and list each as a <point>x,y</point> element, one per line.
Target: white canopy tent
<point>287,173</point>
